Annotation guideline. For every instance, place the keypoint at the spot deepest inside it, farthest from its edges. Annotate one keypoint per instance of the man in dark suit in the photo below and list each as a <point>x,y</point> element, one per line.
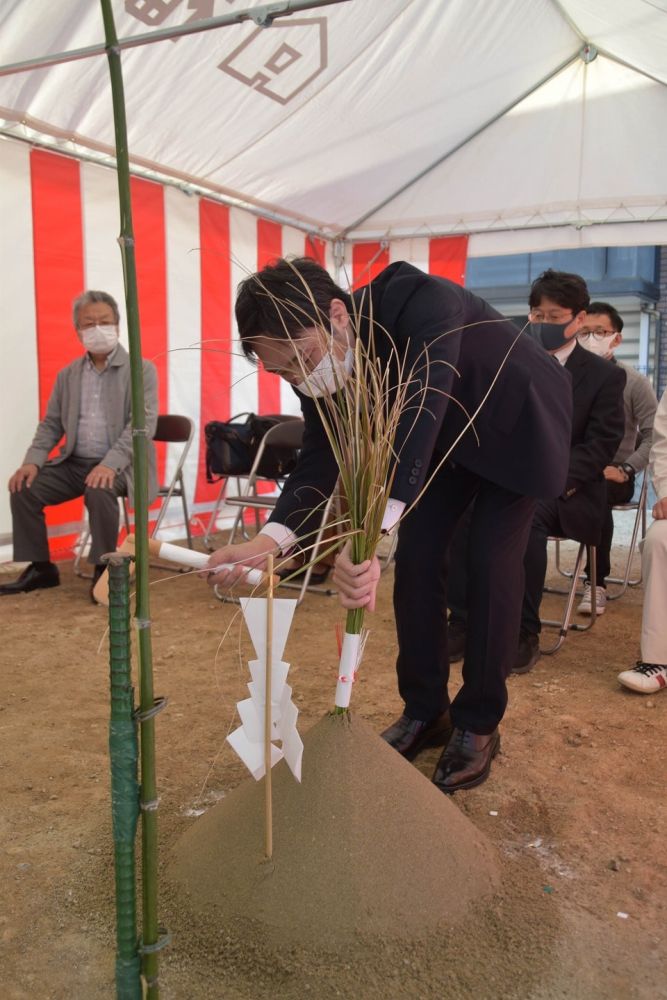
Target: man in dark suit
<point>598,425</point>
<point>517,452</point>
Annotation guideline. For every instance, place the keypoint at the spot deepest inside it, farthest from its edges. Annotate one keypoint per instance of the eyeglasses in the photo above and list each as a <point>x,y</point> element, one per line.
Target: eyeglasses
<point>536,316</point>
<point>599,333</point>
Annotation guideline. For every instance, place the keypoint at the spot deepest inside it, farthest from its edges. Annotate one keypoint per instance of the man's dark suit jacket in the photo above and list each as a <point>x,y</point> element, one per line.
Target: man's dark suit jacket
<point>523,427</point>
<point>598,426</point>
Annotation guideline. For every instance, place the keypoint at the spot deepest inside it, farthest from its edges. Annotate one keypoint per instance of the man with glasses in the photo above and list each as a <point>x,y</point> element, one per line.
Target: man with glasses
<point>558,309</point>
<point>601,334</point>
<point>91,406</point>
<point>297,322</point>
<point>558,306</point>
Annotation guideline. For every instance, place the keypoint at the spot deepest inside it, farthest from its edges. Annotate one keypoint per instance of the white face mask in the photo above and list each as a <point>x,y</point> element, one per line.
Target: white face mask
<point>328,375</point>
<point>100,339</point>
<point>600,347</point>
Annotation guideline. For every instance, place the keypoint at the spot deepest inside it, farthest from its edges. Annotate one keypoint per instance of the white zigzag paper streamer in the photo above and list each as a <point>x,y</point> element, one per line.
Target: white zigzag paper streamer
<point>248,740</point>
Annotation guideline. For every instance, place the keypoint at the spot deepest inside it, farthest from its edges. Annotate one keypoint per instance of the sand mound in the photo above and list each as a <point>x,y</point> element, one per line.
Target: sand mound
<point>365,845</point>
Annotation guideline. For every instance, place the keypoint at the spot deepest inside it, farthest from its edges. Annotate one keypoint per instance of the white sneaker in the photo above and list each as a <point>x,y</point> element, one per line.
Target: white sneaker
<point>647,678</point>
<point>586,607</point>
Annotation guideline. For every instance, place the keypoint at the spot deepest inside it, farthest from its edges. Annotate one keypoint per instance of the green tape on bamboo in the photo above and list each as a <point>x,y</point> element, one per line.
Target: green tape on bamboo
<point>123,755</point>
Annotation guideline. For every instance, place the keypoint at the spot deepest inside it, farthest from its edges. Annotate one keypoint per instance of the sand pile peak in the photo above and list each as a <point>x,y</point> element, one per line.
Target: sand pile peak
<point>365,845</point>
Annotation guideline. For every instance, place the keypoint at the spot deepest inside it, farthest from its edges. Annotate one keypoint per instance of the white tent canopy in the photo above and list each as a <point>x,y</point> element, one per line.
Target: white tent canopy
<point>529,124</point>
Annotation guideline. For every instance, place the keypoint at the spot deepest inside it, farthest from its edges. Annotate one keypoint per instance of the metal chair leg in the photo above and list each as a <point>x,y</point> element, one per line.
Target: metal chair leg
<point>565,624</point>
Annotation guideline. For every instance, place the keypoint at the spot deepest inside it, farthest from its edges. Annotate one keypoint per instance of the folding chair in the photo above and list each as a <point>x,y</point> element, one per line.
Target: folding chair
<point>287,434</point>
<point>638,505</point>
<point>565,624</point>
<point>224,480</point>
<point>175,429</point>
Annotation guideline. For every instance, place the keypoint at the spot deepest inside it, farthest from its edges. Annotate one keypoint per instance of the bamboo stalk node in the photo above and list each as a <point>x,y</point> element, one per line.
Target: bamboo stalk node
<point>143,622</point>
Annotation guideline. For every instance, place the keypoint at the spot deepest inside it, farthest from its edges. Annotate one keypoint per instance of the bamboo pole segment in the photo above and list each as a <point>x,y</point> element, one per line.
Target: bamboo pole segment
<point>123,754</point>
<point>149,798</point>
<point>268,801</point>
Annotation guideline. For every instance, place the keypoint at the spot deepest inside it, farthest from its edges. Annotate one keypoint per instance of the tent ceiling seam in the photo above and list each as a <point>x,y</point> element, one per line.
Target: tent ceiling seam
<point>568,19</point>
<point>460,145</point>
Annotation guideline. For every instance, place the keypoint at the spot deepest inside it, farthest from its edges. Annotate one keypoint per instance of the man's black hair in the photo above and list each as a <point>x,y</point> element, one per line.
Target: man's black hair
<point>604,309</point>
<point>567,290</point>
<point>284,298</point>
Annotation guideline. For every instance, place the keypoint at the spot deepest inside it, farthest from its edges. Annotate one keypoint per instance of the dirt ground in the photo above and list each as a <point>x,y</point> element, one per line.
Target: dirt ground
<point>575,808</point>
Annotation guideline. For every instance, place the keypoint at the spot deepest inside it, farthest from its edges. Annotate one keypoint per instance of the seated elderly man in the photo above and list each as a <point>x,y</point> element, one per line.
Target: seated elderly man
<point>91,406</point>
<point>650,672</point>
<point>601,334</point>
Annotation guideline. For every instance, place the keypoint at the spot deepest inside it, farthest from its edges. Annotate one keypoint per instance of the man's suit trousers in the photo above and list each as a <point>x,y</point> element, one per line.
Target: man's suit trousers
<point>55,484</point>
<point>616,493</point>
<point>499,528</point>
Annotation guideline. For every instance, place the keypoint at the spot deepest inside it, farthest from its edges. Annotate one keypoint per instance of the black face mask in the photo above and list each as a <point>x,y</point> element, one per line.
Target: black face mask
<point>550,335</point>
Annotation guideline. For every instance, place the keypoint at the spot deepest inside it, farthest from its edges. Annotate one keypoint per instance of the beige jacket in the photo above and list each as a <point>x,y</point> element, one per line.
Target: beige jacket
<point>62,417</point>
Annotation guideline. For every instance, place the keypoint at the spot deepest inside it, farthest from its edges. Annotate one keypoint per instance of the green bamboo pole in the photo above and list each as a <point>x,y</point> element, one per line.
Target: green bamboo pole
<point>149,799</point>
<point>123,755</point>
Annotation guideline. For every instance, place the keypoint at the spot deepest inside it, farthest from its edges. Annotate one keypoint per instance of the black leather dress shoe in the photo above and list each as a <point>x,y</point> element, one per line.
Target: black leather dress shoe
<point>33,578</point>
<point>528,653</point>
<point>410,736</point>
<point>466,760</point>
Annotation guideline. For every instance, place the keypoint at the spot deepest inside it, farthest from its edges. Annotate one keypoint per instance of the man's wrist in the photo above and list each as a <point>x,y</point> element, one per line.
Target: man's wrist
<point>281,535</point>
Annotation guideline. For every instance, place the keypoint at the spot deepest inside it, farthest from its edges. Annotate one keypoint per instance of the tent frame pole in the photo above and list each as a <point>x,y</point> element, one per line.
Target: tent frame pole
<point>464,142</point>
<point>262,16</point>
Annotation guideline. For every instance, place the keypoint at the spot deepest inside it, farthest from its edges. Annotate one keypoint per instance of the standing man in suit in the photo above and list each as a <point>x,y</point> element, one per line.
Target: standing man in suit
<point>598,425</point>
<point>90,405</point>
<point>601,334</point>
<point>518,453</point>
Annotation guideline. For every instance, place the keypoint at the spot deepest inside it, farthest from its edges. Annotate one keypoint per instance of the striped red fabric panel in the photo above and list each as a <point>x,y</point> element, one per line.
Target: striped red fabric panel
<point>216,369</point>
<point>269,247</point>
<point>151,262</point>
<point>368,259</point>
<point>59,278</point>
<point>315,249</point>
<point>447,258</point>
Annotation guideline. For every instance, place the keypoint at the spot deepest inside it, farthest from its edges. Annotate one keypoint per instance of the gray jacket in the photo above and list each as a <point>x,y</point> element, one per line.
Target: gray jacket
<point>62,417</point>
<point>640,404</point>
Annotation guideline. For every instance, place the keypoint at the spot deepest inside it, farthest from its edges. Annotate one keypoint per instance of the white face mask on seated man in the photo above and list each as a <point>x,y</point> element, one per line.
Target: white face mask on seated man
<point>100,339</point>
<point>600,335</point>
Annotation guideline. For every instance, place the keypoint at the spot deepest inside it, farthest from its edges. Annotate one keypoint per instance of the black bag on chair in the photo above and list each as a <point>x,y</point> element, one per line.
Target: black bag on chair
<point>231,449</point>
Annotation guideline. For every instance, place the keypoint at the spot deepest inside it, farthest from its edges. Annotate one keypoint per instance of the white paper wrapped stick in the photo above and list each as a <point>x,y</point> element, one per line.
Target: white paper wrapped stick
<point>350,658</point>
<point>182,557</point>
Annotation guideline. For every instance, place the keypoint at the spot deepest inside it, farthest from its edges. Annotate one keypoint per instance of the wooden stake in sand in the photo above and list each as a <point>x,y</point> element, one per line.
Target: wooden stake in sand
<point>268,825</point>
